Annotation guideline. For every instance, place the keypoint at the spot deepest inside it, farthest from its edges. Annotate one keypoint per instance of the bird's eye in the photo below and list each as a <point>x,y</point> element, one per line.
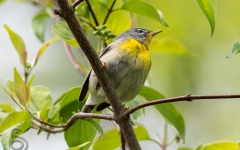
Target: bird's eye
<point>139,30</point>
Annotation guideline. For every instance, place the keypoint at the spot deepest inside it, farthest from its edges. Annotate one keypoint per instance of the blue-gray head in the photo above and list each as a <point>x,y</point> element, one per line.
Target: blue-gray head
<point>142,35</point>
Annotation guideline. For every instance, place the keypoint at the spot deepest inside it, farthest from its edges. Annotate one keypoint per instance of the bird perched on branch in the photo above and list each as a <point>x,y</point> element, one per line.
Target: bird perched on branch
<point>127,63</point>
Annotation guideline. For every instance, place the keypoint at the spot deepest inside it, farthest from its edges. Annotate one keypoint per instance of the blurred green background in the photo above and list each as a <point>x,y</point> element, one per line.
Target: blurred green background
<point>210,72</point>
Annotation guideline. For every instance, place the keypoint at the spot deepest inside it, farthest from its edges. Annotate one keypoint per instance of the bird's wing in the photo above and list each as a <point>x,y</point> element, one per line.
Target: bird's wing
<point>84,88</point>
<point>85,84</point>
<point>107,49</point>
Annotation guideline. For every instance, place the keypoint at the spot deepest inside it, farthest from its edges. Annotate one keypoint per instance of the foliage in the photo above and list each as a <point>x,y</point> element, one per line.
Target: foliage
<point>36,103</point>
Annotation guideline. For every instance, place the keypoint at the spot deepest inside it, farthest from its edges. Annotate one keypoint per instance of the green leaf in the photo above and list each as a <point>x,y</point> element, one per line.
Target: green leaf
<point>23,127</point>
<point>2,118</point>
<point>79,146</point>
<point>7,108</point>
<point>9,94</point>
<point>5,140</point>
<point>119,21</point>
<point>209,9</point>
<point>10,85</point>
<point>111,138</point>
<point>81,132</point>
<point>39,23</point>
<point>20,88</point>
<point>137,115</point>
<point>29,84</point>
<point>62,30</point>
<point>162,19</point>
<point>39,96</point>
<point>70,104</point>
<point>42,50</point>
<point>8,137</point>
<point>13,119</point>
<point>141,132</point>
<point>169,45</point>
<point>45,110</point>
<point>222,146</point>
<point>97,126</point>
<point>18,45</point>
<point>143,8</point>
<point>68,97</point>
<point>2,1</point>
<point>167,110</point>
<point>54,114</point>
<point>235,49</point>
<point>150,94</point>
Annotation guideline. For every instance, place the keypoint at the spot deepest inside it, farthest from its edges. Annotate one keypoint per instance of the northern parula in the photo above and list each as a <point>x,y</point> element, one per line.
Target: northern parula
<point>127,63</point>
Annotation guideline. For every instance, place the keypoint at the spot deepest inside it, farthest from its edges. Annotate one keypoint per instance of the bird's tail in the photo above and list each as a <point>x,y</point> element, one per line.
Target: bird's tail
<point>87,108</point>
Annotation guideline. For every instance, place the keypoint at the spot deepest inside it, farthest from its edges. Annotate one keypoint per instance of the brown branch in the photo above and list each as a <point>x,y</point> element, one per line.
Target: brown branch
<point>46,123</point>
<point>178,99</point>
<point>76,3</point>
<point>35,126</point>
<point>123,141</point>
<point>70,122</point>
<point>66,11</point>
<point>81,115</point>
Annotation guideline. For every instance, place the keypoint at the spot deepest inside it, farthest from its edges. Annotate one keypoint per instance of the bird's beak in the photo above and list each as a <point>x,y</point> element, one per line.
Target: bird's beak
<point>153,33</point>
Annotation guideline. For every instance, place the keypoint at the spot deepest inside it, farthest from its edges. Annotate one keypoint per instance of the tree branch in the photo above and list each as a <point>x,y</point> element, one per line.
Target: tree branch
<point>66,11</point>
<point>76,3</point>
<point>123,141</point>
<point>81,115</point>
<point>35,126</point>
<point>178,99</point>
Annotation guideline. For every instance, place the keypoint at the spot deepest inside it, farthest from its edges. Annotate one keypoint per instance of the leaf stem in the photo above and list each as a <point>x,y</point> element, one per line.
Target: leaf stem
<point>87,22</point>
<point>91,11</point>
<point>165,137</point>
<point>46,123</point>
<point>72,59</point>
<point>109,11</point>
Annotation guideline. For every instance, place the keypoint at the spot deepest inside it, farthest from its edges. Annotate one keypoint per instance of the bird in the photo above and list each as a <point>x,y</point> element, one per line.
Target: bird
<point>127,62</point>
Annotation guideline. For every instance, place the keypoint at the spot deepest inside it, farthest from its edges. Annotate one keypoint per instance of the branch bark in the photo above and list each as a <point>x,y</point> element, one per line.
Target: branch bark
<point>66,11</point>
<point>178,99</point>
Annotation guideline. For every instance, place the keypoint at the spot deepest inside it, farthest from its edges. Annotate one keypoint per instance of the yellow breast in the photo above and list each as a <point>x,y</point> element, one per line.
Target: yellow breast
<point>136,50</point>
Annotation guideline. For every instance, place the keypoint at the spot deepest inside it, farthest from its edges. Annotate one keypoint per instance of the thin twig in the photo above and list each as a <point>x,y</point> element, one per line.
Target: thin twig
<point>165,137</point>
<point>155,141</point>
<point>178,99</point>
<point>87,22</point>
<point>76,3</point>
<point>91,11</point>
<point>35,126</point>
<point>81,115</point>
<point>46,123</point>
<point>109,11</point>
<point>72,59</point>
